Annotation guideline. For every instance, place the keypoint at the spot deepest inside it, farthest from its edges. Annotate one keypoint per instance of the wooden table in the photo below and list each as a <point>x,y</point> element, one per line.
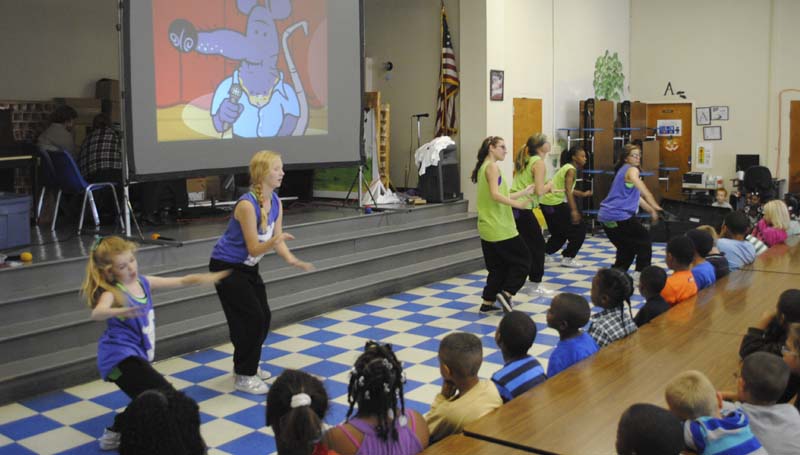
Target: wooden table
<point>577,411</point>
<point>732,305</point>
<point>784,258</point>
<point>460,444</point>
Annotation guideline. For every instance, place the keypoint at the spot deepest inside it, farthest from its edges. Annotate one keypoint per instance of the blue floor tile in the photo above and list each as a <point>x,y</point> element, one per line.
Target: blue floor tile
<point>200,374</point>
<point>113,400</point>
<point>27,427</point>
<point>320,322</point>
<point>207,356</point>
<point>250,444</point>
<point>320,336</point>
<point>253,417</point>
<point>323,351</point>
<point>94,427</point>
<point>44,403</point>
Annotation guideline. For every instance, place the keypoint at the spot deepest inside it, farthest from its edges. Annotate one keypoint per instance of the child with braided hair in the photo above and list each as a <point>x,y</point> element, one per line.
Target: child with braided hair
<point>611,289</point>
<point>255,228</point>
<point>379,427</point>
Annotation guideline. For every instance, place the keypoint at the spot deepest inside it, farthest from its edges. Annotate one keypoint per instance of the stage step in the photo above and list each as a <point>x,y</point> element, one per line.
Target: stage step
<point>352,267</point>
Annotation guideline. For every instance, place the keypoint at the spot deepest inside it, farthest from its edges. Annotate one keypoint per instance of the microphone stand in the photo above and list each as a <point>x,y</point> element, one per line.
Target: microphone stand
<point>411,148</point>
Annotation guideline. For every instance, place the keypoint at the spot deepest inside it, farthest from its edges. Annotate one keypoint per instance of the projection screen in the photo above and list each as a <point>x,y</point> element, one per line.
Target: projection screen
<point>208,83</point>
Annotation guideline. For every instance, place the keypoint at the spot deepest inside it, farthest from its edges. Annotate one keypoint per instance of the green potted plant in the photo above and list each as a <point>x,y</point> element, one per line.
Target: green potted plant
<point>608,77</point>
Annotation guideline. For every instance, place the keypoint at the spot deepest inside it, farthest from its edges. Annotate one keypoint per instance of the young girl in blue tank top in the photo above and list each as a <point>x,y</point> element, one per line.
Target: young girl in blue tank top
<point>255,228</point>
<point>117,294</point>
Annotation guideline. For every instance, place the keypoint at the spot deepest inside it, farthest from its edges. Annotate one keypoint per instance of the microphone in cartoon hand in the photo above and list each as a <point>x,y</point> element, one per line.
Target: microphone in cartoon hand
<point>234,94</point>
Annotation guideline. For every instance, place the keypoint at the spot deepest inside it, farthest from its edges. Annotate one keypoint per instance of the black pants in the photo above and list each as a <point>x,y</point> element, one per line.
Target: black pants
<point>531,233</point>
<point>138,376</point>
<point>562,230</point>
<point>632,241</point>
<point>244,301</point>
<point>508,262</point>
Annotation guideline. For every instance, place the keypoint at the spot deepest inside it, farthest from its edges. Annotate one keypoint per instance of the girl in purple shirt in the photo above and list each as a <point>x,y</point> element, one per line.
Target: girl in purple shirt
<point>117,294</point>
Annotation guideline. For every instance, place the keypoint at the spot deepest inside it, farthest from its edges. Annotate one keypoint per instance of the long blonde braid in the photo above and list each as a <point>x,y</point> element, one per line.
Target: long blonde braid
<point>260,165</point>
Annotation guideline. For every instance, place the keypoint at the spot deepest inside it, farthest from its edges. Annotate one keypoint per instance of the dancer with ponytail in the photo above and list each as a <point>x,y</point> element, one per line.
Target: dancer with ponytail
<point>117,294</point>
<point>564,220</point>
<point>504,252</point>
<point>618,212</point>
<point>255,228</point>
<point>529,170</point>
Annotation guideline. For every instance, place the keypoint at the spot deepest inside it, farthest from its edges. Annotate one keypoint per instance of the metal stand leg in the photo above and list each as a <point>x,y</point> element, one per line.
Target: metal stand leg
<point>55,212</point>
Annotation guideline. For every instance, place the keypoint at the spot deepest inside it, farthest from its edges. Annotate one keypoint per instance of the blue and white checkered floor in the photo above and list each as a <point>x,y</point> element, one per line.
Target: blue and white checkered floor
<point>70,420</point>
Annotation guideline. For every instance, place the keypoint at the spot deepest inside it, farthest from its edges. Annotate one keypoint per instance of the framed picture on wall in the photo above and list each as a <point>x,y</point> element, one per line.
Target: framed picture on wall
<point>719,112</point>
<point>712,133</point>
<point>496,83</point>
<point>703,115</point>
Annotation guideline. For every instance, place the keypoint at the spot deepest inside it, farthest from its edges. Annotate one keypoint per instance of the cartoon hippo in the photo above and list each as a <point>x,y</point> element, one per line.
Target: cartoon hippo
<point>254,101</point>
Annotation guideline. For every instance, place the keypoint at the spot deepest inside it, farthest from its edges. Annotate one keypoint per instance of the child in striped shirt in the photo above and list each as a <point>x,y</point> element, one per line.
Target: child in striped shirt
<point>521,372</point>
<point>691,397</point>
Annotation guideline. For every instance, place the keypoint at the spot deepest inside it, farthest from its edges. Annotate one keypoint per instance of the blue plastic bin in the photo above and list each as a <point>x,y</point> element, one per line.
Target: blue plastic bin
<point>15,212</point>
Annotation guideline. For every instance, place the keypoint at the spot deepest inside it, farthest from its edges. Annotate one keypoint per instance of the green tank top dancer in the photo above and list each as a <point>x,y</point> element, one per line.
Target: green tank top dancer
<point>495,220</point>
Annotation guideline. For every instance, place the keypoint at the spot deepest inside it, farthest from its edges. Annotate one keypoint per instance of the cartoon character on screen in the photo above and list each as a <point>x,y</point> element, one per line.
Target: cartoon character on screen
<point>254,101</point>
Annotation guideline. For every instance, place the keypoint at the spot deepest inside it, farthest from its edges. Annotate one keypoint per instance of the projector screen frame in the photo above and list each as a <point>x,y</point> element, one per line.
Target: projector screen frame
<point>127,115</point>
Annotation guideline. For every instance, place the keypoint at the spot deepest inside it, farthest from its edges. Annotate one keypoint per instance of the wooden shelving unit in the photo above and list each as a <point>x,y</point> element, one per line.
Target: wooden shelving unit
<point>28,118</point>
<point>382,134</point>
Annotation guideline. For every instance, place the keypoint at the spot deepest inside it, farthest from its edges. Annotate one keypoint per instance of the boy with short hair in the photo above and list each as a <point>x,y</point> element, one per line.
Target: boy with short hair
<point>648,429</point>
<point>680,285</point>
<point>721,199</point>
<point>521,372</point>
<point>702,270</point>
<point>568,314</point>
<point>651,283</point>
<point>715,256</point>
<point>737,250</point>
<point>761,383</point>
<point>464,397</point>
<point>691,397</point>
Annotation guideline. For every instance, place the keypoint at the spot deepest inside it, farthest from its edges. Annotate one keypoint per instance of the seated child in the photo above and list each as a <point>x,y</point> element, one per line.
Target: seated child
<point>721,199</point>
<point>651,283</point>
<point>692,398</point>
<point>771,229</point>
<point>791,355</point>
<point>382,423</point>
<point>521,372</point>
<point>771,332</point>
<point>162,421</point>
<point>702,271</point>
<point>296,406</point>
<point>733,245</point>
<point>568,313</point>
<point>715,257</point>
<point>680,285</point>
<point>761,383</point>
<point>611,289</point>
<point>648,429</point>
<point>464,397</point>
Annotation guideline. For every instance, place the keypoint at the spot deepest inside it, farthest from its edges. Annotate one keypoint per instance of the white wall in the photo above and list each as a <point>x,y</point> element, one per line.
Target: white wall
<point>784,75</point>
<point>718,52</point>
<point>407,33</point>
<point>56,48</point>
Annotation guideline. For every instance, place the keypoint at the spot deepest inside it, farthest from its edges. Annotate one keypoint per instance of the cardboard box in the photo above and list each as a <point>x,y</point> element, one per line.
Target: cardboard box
<point>107,89</point>
<point>112,108</point>
<point>202,188</point>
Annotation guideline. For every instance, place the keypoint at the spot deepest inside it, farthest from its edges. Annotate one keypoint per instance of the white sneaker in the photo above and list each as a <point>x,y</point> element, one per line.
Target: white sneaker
<point>572,263</point>
<point>551,259</point>
<point>536,290</point>
<point>263,374</point>
<point>250,384</point>
<point>635,276</point>
<point>109,440</point>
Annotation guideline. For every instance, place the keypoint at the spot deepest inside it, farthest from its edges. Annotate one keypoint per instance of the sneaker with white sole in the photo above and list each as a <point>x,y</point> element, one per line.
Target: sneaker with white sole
<point>505,302</point>
<point>250,384</point>
<point>109,440</point>
<point>536,290</point>
<point>551,259</point>
<point>263,374</point>
<point>572,263</point>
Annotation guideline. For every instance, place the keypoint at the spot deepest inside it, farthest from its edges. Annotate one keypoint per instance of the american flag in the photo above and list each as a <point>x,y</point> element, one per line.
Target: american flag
<point>448,85</point>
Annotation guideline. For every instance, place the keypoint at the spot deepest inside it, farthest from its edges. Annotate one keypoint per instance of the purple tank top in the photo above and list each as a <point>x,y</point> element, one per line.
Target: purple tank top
<point>128,337</point>
<point>406,444</point>
<point>231,247</point>
<point>622,202</point>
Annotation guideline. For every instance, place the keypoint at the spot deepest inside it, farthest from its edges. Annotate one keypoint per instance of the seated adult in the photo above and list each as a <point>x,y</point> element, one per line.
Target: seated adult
<point>58,135</point>
<point>100,159</point>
